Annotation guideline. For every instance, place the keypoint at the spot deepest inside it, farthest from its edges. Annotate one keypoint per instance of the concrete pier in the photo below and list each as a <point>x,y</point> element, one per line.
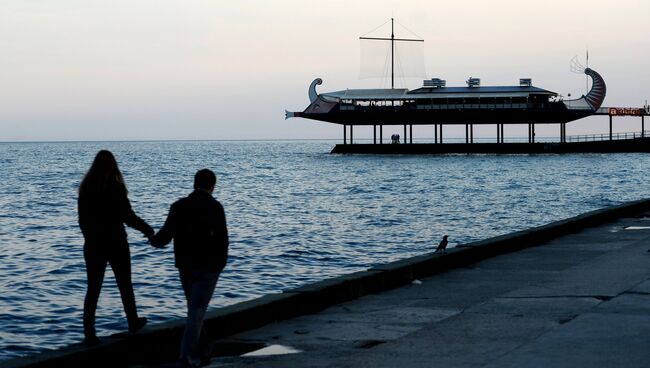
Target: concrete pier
<point>600,146</point>
<point>574,293</point>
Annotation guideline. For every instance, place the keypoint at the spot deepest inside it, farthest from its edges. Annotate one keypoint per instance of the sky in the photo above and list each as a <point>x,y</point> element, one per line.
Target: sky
<point>169,69</point>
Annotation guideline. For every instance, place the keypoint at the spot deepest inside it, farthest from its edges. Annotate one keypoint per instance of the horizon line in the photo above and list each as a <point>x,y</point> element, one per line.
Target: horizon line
<point>273,139</point>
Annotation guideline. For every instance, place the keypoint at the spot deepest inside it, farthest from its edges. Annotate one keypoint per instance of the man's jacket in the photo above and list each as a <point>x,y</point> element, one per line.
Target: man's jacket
<point>197,223</point>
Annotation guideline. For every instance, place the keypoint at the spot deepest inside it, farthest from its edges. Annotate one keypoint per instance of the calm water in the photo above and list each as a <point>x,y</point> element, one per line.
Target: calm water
<point>296,214</point>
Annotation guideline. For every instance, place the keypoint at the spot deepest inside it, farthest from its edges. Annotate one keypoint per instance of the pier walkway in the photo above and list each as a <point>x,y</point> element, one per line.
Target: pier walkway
<point>581,300</point>
<point>573,293</point>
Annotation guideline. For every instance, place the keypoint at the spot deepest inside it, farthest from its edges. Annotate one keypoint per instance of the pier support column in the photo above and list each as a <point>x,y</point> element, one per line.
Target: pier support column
<point>440,133</point>
<point>532,129</point>
<point>345,134</point>
<point>381,134</point>
<point>642,126</point>
<point>531,133</point>
<point>411,133</point>
<point>374,134</point>
<point>405,134</point>
<point>471,133</point>
<point>610,127</point>
<point>351,134</point>
<point>435,133</point>
<point>466,133</point>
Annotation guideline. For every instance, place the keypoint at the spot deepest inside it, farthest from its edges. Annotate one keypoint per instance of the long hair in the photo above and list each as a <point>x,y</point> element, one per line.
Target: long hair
<point>102,175</point>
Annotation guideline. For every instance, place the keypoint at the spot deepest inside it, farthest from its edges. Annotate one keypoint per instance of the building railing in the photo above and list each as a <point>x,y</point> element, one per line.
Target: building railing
<point>450,106</point>
<point>539,139</point>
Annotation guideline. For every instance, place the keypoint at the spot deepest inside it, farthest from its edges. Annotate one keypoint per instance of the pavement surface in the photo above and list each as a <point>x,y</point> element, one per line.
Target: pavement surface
<point>581,300</point>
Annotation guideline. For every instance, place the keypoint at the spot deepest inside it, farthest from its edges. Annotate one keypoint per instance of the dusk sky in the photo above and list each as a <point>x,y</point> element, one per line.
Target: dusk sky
<point>171,69</point>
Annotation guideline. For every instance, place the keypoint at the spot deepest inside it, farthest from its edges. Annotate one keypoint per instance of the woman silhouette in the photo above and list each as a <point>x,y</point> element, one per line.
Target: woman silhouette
<point>104,208</point>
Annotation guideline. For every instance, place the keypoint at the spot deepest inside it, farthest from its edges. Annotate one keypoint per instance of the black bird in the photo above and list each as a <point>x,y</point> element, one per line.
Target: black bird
<point>443,244</point>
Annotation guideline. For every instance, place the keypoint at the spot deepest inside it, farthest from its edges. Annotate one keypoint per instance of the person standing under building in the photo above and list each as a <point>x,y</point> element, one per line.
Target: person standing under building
<point>197,224</point>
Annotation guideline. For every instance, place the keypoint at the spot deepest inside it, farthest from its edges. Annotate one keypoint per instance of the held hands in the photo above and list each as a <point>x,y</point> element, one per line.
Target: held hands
<point>152,241</point>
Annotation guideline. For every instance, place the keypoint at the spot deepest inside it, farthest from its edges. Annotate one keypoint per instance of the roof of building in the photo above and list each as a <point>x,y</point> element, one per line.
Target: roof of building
<point>428,92</point>
<point>372,94</point>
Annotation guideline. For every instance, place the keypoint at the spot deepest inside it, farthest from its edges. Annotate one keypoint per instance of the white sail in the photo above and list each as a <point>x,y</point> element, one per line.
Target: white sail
<point>389,56</point>
<point>375,59</point>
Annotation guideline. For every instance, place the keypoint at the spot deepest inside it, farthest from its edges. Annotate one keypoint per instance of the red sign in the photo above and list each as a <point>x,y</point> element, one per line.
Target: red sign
<point>625,111</point>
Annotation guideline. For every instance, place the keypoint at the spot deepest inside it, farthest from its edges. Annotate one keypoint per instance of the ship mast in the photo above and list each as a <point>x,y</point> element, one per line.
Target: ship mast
<point>392,40</point>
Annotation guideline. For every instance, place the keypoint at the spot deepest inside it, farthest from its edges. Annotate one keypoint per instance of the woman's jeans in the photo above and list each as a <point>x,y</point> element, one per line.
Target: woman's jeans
<point>97,256</point>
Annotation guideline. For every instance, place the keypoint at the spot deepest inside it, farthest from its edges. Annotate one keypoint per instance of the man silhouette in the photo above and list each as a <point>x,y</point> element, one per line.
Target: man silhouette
<point>197,224</point>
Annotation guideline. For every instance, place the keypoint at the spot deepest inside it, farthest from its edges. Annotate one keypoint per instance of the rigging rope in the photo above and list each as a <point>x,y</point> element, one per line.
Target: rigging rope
<point>365,34</point>
<point>413,33</point>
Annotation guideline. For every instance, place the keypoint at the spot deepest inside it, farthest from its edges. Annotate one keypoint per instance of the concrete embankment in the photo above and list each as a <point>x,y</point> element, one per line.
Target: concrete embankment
<point>159,343</point>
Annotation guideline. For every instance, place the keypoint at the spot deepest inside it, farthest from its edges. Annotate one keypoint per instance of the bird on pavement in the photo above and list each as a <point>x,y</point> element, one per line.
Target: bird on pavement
<point>443,244</point>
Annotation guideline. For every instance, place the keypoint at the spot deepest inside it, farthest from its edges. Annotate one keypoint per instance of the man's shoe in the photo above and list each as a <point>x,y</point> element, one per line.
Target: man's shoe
<point>185,363</point>
<point>205,360</point>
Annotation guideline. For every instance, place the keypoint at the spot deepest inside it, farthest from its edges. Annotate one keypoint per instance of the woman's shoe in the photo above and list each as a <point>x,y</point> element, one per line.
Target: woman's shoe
<point>91,340</point>
<point>137,325</point>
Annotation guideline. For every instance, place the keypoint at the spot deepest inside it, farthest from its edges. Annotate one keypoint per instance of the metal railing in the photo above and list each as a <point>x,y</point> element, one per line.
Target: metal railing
<point>606,136</point>
<point>539,139</point>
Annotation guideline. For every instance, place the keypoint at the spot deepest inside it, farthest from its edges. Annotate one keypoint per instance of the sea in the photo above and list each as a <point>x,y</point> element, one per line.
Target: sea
<point>296,214</point>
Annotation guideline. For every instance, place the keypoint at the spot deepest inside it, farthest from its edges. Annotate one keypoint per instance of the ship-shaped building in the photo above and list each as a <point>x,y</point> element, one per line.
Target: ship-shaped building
<point>437,104</point>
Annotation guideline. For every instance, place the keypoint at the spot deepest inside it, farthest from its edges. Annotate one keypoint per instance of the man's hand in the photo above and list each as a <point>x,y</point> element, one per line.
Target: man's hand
<point>152,241</point>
